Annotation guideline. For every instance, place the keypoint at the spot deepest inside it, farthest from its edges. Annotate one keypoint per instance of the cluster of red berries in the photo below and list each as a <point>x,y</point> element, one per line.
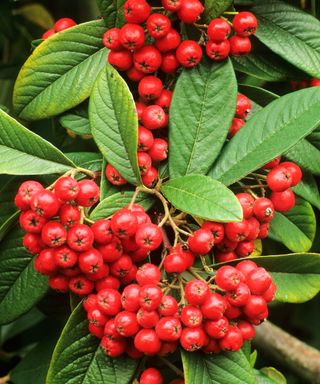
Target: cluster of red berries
<point>152,110</point>
<point>144,321</point>
<point>130,53</point>
<point>60,25</point>
<point>243,108</point>
<point>153,376</point>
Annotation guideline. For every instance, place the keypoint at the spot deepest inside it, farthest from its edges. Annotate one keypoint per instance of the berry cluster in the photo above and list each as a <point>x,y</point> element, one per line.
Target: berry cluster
<point>243,108</point>
<point>60,25</point>
<point>153,376</point>
<point>145,321</point>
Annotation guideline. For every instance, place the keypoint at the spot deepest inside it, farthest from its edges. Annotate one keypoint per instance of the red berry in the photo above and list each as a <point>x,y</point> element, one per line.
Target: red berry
<point>107,282</point>
<point>279,179</point>
<point>232,312</point>
<point>101,230</point>
<point>189,53</point>
<point>233,340</point>
<point>110,330</point>
<point>144,162</point>
<point>227,245</point>
<point>273,163</point>
<point>109,301</point>
<point>59,283</point>
<point>69,215</point>
<point>64,257</point>
<point>246,266</point>
<point>314,82</point>
<point>135,75</point>
<point>235,127</point>
<point>149,236</point>
<point>258,281</point>
<point>171,5</point>
<point>196,292</point>
<point>136,11</point>
<point>126,323</point>
<point>132,351</point>
<point>111,39</point>
<point>88,194</point>
<point>150,88</point>
<point>66,188</point>
<point>124,223</point>
<point>239,45</point>
<point>164,100</point>
<point>264,230</point>
<point>31,222</point>
<point>168,306</point>
<point>80,238</point>
<point>193,339</point>
<point>150,297</point>
<point>150,178</point>
<point>111,251</point>
<point>154,117</point>
<point>295,171</point>
<point>147,59</point>
<point>218,51</point>
<point>114,176</point>
<point>48,34</point>
<point>189,11</point>
<point>201,241</point>
<point>255,307</point>
<point>121,267</point>
<point>247,202</point>
<point>245,24</point>
<point>269,294</point>
<point>148,274</point>
<point>147,341</point>
<point>263,209</point>
<point>147,319</point>
<point>217,329</point>
<point>132,36</point>
<point>159,150</point>
<point>254,228</point>
<point>217,230</point>
<point>33,243</point>
<point>178,260</point>
<point>20,204</point>
<point>283,201</point>
<point>214,306</point>
<point>95,331</point>
<point>151,376</point>
<point>63,24</point>
<point>145,139</point>
<point>90,261</point>
<point>246,329</point>
<point>245,248</point>
<point>80,285</point>
<point>45,203</point>
<point>53,234</point>
<point>168,328</point>
<point>45,262</point>
<point>122,60</point>
<point>211,347</point>
<point>243,106</point>
<point>113,348</point>
<point>228,278</point>
<point>130,298</point>
<point>218,30</point>
<point>169,62</point>
<point>158,25</point>
<point>221,257</point>
<point>191,316</point>
<point>239,296</point>
<point>237,230</point>
<point>97,317</point>
<point>169,42</point>
<point>27,191</point>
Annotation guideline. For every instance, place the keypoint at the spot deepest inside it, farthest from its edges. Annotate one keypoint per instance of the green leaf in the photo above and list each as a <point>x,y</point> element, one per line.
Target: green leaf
<point>112,12</point>
<point>291,33</point>
<point>314,137</point>
<point>88,160</point>
<point>77,120</point>
<point>273,374</point>
<point>114,123</point>
<point>25,153</point>
<point>21,287</point>
<point>78,358</point>
<point>306,155</point>
<point>201,112</point>
<point>119,200</point>
<point>215,8</point>
<point>69,60</point>
<point>308,189</point>
<point>203,197</point>
<point>261,96</point>
<point>296,228</point>
<point>224,368</point>
<point>266,66</point>
<point>269,133</point>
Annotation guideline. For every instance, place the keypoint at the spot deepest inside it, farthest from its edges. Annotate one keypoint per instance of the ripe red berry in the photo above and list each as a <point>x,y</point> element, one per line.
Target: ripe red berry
<point>144,162</point>
<point>243,106</point>
<point>33,243</point>
<point>246,329</point>
<point>89,193</point>
<point>80,285</point>
<point>147,59</point>
<point>221,257</point>
<point>59,283</point>
<point>217,230</point>
<point>122,266</point>
<point>159,150</point>
<point>201,241</point>
<point>126,323</point>
<point>191,316</point>
<point>113,348</point>
<point>130,298</point>
<point>189,53</point>
<point>122,60</point>
<point>218,30</point>
<point>111,39</point>
<point>169,62</point>
<point>227,245</point>
<point>132,36</point>
<point>175,262</point>
<point>258,281</point>
<point>196,292</point>
<point>218,51</point>
<point>69,215</point>
<point>64,257</point>
<point>295,171</point>
<point>63,24</point>
<point>149,236</point>
<point>45,203</point>
<point>283,201</point>
<point>31,222</point>
<point>255,307</point>
<point>235,127</point>
<point>48,34</point>
<point>246,266</point>
<point>45,262</point>
<point>239,296</point>
<point>254,228</point>
<point>232,312</point>
<point>150,297</point>
<point>211,347</point>
<point>145,139</point>
<point>279,178</point>
<point>168,306</point>
<point>124,223</point>
<point>239,45</point>
<point>164,100</point>
<point>245,248</point>
<point>80,238</point>
<point>150,88</point>
<point>228,278</point>
<point>136,11</point>
<point>147,341</point>
<point>193,339</point>
<point>237,230</point>
<point>190,10</point>
<point>247,202</point>
<point>148,274</point>
<point>135,75</point>
<point>109,301</point>
<point>66,188</point>
<point>114,176</point>
<point>158,25</point>
<point>151,376</point>
<point>264,230</point>
<point>150,178</point>
<point>27,191</point>
<point>217,329</point>
<point>245,24</point>
<point>154,117</point>
<point>263,209</point>
<point>111,251</point>
<point>132,351</point>
<point>90,261</point>
<point>273,163</point>
<point>53,234</point>
<point>169,42</point>
<point>233,340</point>
<point>147,319</point>
<point>171,5</point>
<point>214,306</point>
<point>168,328</point>
<point>269,294</point>
<point>107,282</point>
<point>101,230</point>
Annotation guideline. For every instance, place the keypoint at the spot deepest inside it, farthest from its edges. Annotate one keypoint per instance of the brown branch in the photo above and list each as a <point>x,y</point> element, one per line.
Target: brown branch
<point>288,350</point>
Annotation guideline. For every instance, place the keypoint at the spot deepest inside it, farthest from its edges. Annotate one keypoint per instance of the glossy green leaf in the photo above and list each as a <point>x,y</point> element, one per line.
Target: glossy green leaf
<point>223,368</point>
<point>88,160</point>
<point>261,96</point>
<point>215,8</point>
<point>21,287</point>
<point>8,189</point>
<point>119,200</point>
<point>296,228</point>
<point>25,153</point>
<point>308,189</point>
<point>306,155</point>
<point>314,137</point>
<point>114,123</point>
<point>69,60</point>
<point>201,112</point>
<point>77,120</point>
<point>291,33</point>
<point>78,358</point>
<point>203,197</point>
<point>112,12</point>
<point>269,375</point>
<point>269,133</point>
